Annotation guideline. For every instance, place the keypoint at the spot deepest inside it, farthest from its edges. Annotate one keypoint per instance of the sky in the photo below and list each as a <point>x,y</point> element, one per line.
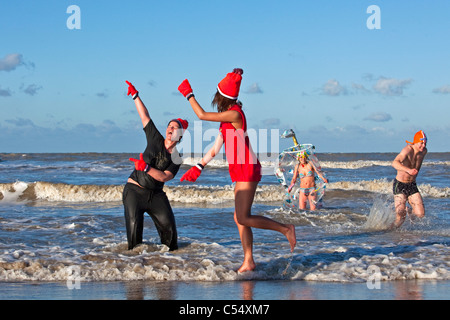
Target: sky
<point>345,78</point>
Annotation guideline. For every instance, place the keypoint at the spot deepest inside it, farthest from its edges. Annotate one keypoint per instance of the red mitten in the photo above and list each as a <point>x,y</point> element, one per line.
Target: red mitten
<point>192,174</point>
<point>185,89</point>
<point>140,164</point>
<point>132,90</point>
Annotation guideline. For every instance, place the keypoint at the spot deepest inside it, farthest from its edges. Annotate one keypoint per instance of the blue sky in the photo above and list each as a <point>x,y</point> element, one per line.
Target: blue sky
<point>313,66</point>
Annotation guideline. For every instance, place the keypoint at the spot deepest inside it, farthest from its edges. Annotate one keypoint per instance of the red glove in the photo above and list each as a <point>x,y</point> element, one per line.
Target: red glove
<point>185,89</point>
<point>140,164</point>
<point>192,174</point>
<point>132,90</point>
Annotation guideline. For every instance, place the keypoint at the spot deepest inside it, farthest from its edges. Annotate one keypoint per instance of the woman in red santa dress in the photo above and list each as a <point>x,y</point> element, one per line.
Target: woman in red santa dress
<point>244,166</point>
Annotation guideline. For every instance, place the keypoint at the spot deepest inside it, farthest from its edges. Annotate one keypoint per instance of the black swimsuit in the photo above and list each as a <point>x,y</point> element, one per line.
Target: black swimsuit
<point>151,198</point>
<point>407,189</point>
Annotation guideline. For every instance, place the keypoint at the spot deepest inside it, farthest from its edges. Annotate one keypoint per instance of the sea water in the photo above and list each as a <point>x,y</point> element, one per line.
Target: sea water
<point>61,216</point>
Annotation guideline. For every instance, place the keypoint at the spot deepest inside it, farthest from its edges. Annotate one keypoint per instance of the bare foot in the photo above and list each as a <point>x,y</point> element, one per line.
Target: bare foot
<point>247,266</point>
<point>290,235</point>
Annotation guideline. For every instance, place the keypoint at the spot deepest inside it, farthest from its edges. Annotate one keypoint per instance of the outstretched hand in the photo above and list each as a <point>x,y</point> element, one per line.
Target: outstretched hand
<point>192,174</point>
<point>185,89</point>
<point>140,164</point>
<point>131,90</point>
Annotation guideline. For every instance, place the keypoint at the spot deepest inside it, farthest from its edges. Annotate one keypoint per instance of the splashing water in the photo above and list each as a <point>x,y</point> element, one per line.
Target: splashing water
<point>381,215</point>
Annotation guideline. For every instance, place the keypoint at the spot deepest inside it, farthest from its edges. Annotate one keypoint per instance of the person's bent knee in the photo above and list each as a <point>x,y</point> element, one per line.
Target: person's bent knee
<point>420,214</point>
<point>244,221</point>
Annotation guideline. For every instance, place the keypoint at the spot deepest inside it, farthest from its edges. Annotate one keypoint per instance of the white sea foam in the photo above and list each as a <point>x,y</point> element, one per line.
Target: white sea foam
<point>11,192</point>
<point>153,262</point>
<point>384,186</point>
<point>21,191</point>
<point>220,162</point>
<point>389,267</point>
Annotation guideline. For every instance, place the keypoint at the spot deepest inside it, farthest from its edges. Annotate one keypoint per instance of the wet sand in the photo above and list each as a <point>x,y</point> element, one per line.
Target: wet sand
<point>234,290</point>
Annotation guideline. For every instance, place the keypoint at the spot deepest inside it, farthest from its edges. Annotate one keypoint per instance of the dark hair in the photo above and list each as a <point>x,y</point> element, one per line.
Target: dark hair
<point>223,103</point>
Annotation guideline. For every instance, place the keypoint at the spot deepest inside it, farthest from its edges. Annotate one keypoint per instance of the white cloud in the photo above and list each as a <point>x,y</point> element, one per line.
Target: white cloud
<point>443,90</point>
<point>254,88</point>
<point>11,62</point>
<point>379,117</point>
<point>23,135</point>
<point>333,88</point>
<point>359,88</point>
<point>391,86</point>
<point>384,86</point>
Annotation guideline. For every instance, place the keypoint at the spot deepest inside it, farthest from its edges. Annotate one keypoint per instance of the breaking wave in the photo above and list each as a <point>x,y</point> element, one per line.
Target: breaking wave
<point>153,262</point>
<point>356,164</point>
<point>60,192</point>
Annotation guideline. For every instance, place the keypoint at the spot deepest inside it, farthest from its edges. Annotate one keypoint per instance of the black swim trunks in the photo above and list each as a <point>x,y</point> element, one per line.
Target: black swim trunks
<point>407,189</point>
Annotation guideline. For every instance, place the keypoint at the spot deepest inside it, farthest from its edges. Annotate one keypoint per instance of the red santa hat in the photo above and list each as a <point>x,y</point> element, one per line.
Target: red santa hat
<point>183,123</point>
<point>230,85</point>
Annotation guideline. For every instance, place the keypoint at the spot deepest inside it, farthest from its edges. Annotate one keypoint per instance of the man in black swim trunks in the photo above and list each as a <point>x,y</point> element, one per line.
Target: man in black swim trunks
<point>408,163</point>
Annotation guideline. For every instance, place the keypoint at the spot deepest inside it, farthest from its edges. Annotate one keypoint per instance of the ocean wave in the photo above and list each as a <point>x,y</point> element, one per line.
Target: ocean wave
<point>145,262</point>
<point>384,186</point>
<point>219,162</point>
<point>21,192</point>
<point>354,164</point>
<point>269,162</point>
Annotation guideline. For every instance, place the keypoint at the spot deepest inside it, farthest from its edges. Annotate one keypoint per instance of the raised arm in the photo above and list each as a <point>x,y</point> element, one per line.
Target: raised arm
<point>142,111</point>
<point>140,107</point>
<point>227,116</point>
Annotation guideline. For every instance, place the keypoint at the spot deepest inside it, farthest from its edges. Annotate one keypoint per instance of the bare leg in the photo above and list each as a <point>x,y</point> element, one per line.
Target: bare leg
<point>246,236</point>
<point>400,210</point>
<point>416,202</point>
<point>302,200</point>
<point>312,198</point>
<point>244,193</point>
